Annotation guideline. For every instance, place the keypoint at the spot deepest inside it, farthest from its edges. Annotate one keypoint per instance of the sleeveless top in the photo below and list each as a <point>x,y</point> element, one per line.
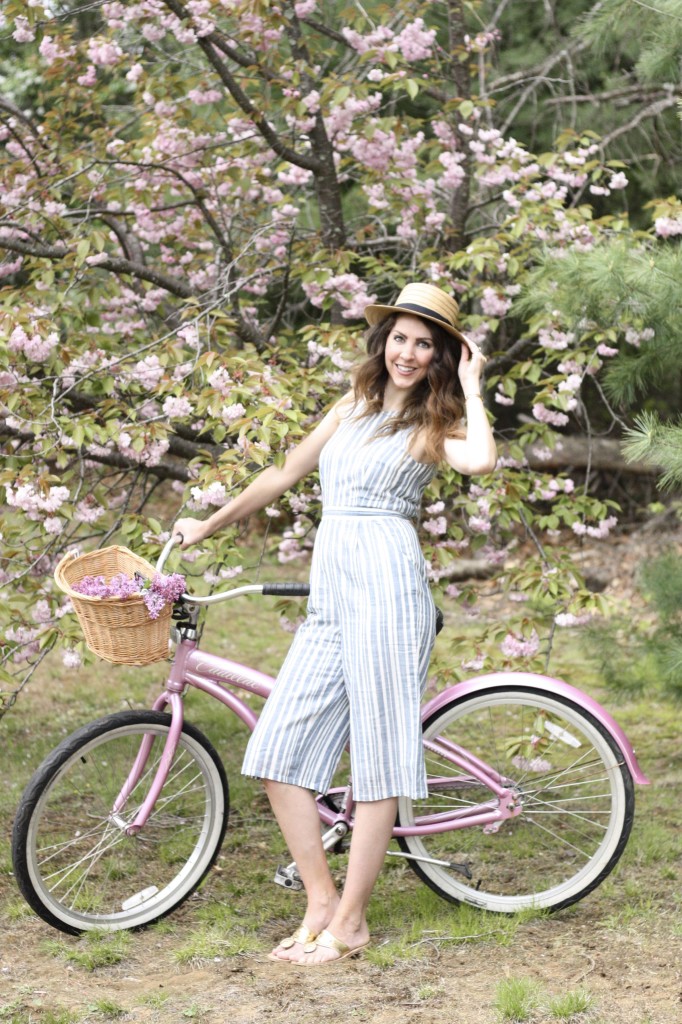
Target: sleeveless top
<point>361,473</point>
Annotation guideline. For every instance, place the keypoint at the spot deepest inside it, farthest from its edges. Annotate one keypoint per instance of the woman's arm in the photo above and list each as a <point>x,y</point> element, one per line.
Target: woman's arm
<point>476,453</point>
<point>268,485</point>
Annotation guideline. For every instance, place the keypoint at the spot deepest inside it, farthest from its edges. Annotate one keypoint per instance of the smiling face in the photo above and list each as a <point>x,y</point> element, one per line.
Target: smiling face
<point>408,353</point>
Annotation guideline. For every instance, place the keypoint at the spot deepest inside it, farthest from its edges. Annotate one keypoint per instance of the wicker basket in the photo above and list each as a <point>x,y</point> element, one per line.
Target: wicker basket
<point>119,631</point>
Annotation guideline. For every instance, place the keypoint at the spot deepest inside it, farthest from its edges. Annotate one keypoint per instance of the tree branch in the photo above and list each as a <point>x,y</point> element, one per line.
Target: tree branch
<point>208,45</point>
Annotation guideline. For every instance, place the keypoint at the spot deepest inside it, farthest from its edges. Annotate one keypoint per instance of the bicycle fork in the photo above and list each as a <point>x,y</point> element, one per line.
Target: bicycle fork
<point>174,699</point>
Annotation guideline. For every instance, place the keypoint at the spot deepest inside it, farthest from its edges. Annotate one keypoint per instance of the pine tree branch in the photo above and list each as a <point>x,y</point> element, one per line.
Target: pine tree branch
<point>652,111</point>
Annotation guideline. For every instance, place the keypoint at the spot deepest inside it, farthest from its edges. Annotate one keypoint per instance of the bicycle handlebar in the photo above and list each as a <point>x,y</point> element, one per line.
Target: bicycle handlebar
<point>268,589</point>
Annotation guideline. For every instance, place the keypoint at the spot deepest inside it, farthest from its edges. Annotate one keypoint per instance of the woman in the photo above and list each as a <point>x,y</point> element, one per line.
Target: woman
<point>356,670</point>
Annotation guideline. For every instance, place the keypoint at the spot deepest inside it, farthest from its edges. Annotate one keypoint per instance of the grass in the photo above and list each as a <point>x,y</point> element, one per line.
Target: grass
<point>206,944</point>
<point>16,1013</point>
<point>571,1004</point>
<point>107,1009</point>
<point>516,999</point>
<point>92,950</point>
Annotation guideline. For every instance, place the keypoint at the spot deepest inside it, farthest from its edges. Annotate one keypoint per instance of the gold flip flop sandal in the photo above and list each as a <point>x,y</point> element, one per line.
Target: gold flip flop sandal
<point>328,941</point>
<point>302,934</point>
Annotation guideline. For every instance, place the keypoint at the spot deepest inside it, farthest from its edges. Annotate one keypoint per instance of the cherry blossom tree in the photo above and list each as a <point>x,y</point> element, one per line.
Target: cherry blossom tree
<point>200,198</point>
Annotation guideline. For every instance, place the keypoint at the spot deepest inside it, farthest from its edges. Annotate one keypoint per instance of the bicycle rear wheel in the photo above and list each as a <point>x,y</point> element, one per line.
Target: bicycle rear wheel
<point>75,864</point>
<point>568,774</point>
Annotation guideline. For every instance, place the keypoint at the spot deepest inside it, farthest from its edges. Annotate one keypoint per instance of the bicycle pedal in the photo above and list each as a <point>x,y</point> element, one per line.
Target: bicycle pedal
<point>289,878</point>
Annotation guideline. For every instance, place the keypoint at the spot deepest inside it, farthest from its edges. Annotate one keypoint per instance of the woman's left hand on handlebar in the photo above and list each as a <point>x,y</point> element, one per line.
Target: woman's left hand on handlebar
<point>193,531</point>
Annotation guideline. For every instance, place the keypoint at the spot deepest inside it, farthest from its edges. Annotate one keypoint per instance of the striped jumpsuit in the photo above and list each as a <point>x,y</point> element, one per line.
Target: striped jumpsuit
<point>357,667</point>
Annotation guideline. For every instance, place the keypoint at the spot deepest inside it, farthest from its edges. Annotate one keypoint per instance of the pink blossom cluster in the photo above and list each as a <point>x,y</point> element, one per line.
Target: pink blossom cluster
<point>226,573</point>
<point>214,494</point>
<point>230,413</point>
<point>35,503</point>
<point>23,31</point>
<point>156,593</point>
<point>635,338</point>
<point>293,545</point>
<point>436,527</point>
<point>544,415</point>
<point>552,488</point>
<point>26,640</point>
<point>516,646</point>
<point>668,227</point>
<point>50,51</point>
<point>220,380</point>
<point>203,98</point>
<point>303,8</point>
<point>553,338</point>
<point>493,303</point>
<point>413,42</point>
<point>149,455</point>
<point>501,398</point>
<point>11,267</point>
<point>103,52</point>
<point>177,407</point>
<point>599,532</point>
<point>35,348</point>
<point>260,36</point>
<point>482,41</point>
<point>88,510</point>
<point>147,372</point>
<point>568,619</point>
<point>346,289</point>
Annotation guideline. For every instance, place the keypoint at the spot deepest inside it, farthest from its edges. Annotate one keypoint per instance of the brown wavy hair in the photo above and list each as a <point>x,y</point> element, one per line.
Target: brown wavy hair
<point>435,407</point>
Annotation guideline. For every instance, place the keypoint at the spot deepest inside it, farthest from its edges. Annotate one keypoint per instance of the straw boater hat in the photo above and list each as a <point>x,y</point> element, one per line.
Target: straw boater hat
<point>425,301</point>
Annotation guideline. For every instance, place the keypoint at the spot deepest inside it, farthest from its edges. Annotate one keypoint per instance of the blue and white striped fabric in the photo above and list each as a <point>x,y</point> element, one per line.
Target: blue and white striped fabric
<point>357,667</point>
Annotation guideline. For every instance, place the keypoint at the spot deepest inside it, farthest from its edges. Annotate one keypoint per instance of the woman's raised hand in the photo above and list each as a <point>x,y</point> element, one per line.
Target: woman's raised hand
<point>470,368</point>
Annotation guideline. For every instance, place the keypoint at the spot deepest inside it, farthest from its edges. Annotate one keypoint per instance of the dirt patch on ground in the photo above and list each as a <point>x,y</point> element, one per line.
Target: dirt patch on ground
<point>633,980</point>
<point>620,944</point>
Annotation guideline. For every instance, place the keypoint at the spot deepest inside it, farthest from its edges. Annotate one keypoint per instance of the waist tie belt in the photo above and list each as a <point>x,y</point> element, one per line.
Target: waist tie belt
<point>366,511</point>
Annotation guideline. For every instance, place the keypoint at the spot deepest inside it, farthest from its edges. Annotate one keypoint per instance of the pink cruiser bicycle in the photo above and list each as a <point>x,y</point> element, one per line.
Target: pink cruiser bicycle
<point>530,796</point>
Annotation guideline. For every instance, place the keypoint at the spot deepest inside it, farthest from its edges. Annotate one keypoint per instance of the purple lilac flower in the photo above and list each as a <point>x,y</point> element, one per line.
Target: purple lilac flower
<point>156,594</point>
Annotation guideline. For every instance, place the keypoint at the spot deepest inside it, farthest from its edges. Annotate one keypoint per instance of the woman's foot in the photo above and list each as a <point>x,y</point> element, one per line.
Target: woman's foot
<point>338,942</point>
<point>291,947</point>
<point>316,919</point>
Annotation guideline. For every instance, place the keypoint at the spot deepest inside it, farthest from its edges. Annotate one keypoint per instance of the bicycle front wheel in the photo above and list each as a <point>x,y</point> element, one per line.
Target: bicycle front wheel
<point>567,773</point>
<point>73,860</point>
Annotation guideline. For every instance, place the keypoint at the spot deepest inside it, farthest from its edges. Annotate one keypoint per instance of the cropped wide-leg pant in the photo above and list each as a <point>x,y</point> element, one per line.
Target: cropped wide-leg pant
<point>357,668</point>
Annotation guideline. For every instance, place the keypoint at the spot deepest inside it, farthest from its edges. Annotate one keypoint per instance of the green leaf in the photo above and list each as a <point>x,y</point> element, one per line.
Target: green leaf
<point>82,250</point>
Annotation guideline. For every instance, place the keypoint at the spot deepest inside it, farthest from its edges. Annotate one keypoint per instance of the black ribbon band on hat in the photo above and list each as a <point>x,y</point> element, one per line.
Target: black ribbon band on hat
<point>425,312</point>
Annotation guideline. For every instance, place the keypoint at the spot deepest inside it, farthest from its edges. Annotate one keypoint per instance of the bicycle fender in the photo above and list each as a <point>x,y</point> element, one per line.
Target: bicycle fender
<point>548,685</point>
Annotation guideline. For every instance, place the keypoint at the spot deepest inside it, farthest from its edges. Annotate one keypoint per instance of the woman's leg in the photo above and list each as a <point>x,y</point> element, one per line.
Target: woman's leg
<point>374,821</point>
<point>297,816</point>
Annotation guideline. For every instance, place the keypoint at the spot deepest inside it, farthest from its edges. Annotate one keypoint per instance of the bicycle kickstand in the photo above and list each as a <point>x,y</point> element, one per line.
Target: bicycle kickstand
<point>289,877</point>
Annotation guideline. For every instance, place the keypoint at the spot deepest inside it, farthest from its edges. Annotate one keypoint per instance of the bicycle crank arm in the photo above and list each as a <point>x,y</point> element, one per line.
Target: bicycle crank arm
<point>462,868</point>
<point>289,876</point>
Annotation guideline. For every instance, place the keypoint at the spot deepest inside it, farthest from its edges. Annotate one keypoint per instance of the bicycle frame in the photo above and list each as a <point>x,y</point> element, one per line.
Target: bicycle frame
<point>211,673</point>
